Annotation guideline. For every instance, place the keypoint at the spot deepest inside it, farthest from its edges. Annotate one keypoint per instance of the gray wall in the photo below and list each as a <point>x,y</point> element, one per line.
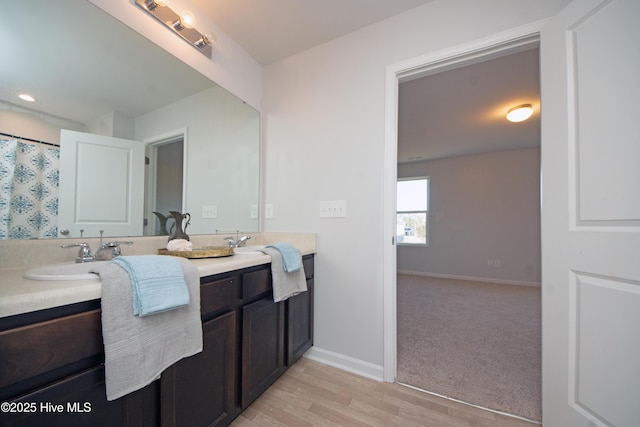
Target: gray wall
<point>482,207</point>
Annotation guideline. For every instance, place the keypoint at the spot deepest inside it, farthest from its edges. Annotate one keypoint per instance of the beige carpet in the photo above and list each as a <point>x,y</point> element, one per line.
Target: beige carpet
<point>472,341</point>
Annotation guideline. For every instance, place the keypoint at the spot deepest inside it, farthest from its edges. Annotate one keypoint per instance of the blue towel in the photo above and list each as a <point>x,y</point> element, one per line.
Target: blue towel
<point>291,257</point>
<point>157,282</point>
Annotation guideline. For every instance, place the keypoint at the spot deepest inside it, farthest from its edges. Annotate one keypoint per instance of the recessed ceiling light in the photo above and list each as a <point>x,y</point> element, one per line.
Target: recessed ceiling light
<point>520,113</point>
<point>26,97</point>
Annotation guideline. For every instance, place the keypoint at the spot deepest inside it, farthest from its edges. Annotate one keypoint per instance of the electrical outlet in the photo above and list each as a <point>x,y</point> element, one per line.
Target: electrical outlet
<point>254,211</point>
<point>210,211</point>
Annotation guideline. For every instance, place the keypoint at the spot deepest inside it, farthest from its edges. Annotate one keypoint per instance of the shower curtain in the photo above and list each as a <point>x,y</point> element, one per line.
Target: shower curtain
<point>29,177</point>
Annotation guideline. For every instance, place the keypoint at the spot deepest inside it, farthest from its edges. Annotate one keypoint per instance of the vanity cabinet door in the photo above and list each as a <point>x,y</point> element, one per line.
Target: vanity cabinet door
<point>299,324</point>
<point>200,390</point>
<point>300,317</point>
<point>262,347</point>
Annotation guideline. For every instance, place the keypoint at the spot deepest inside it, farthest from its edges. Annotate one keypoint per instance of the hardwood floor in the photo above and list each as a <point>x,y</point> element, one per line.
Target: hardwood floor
<point>313,394</point>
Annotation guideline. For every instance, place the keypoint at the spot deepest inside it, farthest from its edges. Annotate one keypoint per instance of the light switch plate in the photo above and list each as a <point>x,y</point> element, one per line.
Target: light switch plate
<point>268,211</point>
<point>333,209</point>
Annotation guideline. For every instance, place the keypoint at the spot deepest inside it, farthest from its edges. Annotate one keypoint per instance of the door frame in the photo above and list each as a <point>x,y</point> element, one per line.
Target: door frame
<point>507,42</point>
<point>151,145</point>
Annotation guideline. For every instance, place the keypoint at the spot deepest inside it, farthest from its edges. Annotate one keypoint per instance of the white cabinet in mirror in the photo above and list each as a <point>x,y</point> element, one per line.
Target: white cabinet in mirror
<point>120,85</point>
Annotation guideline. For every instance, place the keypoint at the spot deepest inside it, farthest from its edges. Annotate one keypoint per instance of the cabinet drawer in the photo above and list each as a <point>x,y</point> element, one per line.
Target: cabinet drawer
<point>218,294</point>
<point>256,283</point>
<point>34,349</point>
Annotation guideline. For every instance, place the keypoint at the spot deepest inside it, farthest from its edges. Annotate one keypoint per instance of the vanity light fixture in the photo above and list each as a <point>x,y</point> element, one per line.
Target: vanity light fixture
<point>520,113</point>
<point>181,24</point>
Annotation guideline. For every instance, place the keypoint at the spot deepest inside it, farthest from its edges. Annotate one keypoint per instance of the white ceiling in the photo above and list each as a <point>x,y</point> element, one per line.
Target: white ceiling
<point>456,112</point>
<point>271,30</point>
<point>452,113</point>
<point>462,111</point>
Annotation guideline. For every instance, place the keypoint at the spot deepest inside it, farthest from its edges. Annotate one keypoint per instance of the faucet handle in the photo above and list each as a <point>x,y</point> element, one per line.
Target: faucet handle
<point>115,250</point>
<point>84,253</point>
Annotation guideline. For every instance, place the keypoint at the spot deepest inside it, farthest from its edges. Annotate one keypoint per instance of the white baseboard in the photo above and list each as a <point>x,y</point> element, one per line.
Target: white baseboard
<point>474,279</point>
<point>346,363</point>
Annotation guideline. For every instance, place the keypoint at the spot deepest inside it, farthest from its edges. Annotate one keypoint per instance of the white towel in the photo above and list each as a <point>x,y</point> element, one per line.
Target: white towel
<point>138,349</point>
<point>285,285</point>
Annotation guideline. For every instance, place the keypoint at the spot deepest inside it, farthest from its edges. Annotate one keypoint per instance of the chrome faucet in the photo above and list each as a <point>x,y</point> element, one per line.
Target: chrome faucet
<point>241,241</point>
<point>84,253</point>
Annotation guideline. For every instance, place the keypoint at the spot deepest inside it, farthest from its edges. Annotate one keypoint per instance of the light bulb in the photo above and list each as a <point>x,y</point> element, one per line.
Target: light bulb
<point>187,19</point>
<point>206,39</point>
<point>520,113</point>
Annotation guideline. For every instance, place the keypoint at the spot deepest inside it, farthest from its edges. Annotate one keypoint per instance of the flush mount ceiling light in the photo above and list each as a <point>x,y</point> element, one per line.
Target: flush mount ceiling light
<point>26,97</point>
<point>520,113</point>
<point>181,24</point>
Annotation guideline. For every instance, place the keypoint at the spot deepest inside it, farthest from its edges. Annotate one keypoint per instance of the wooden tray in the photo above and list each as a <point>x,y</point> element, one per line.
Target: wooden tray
<point>203,252</point>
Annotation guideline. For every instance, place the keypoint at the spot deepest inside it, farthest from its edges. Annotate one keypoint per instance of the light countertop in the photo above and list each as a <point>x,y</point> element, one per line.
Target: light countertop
<point>19,295</point>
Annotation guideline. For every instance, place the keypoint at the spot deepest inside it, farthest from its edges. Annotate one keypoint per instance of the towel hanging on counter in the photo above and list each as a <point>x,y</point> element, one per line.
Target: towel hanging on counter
<point>138,349</point>
<point>285,284</point>
<point>157,283</point>
<point>291,256</point>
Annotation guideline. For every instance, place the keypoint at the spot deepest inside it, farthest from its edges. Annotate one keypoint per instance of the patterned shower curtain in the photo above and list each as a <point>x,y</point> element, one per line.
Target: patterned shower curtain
<point>29,178</point>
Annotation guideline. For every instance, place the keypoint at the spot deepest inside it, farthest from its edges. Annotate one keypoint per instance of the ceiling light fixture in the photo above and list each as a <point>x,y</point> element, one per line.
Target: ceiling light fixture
<point>181,24</point>
<point>520,113</point>
<point>26,97</point>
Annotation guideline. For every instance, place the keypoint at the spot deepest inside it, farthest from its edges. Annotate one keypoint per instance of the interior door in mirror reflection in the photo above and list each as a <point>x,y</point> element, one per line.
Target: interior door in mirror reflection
<point>101,185</point>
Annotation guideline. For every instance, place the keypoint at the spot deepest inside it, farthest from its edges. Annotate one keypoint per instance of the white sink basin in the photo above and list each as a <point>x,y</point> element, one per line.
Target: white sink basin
<point>249,250</point>
<point>64,271</point>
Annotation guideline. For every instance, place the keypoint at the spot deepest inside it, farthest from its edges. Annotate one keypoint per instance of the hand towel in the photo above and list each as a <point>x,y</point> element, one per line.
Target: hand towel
<point>138,349</point>
<point>291,256</point>
<point>158,283</point>
<point>285,285</point>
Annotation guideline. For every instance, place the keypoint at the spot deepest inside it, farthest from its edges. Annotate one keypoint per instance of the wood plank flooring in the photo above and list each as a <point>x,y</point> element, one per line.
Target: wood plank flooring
<point>313,394</point>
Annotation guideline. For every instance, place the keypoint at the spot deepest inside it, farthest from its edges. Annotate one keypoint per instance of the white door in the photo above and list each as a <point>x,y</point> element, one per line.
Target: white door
<point>101,186</point>
<point>590,71</point>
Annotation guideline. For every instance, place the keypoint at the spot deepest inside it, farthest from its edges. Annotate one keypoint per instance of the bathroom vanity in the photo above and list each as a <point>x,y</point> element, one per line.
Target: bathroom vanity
<point>51,360</point>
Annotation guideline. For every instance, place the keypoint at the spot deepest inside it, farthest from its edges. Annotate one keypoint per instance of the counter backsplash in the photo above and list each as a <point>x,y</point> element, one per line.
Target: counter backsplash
<point>28,253</point>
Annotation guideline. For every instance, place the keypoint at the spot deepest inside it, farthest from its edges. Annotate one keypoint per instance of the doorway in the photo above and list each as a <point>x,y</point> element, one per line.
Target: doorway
<point>464,330</point>
<point>499,45</point>
<point>165,180</point>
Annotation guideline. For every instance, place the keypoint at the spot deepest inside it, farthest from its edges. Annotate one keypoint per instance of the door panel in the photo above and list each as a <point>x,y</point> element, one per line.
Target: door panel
<point>595,45</point>
<point>101,185</point>
<point>591,215</point>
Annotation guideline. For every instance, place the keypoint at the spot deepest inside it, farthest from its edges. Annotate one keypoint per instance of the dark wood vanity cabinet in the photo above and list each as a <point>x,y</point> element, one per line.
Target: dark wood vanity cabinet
<point>299,315</point>
<point>201,390</point>
<point>51,373</point>
<point>262,347</point>
<point>55,357</point>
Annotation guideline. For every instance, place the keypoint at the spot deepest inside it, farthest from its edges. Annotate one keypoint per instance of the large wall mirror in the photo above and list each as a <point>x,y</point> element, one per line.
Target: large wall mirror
<point>99,85</point>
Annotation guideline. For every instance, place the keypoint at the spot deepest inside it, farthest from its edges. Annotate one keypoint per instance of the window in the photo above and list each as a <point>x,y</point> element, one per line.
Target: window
<point>412,211</point>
